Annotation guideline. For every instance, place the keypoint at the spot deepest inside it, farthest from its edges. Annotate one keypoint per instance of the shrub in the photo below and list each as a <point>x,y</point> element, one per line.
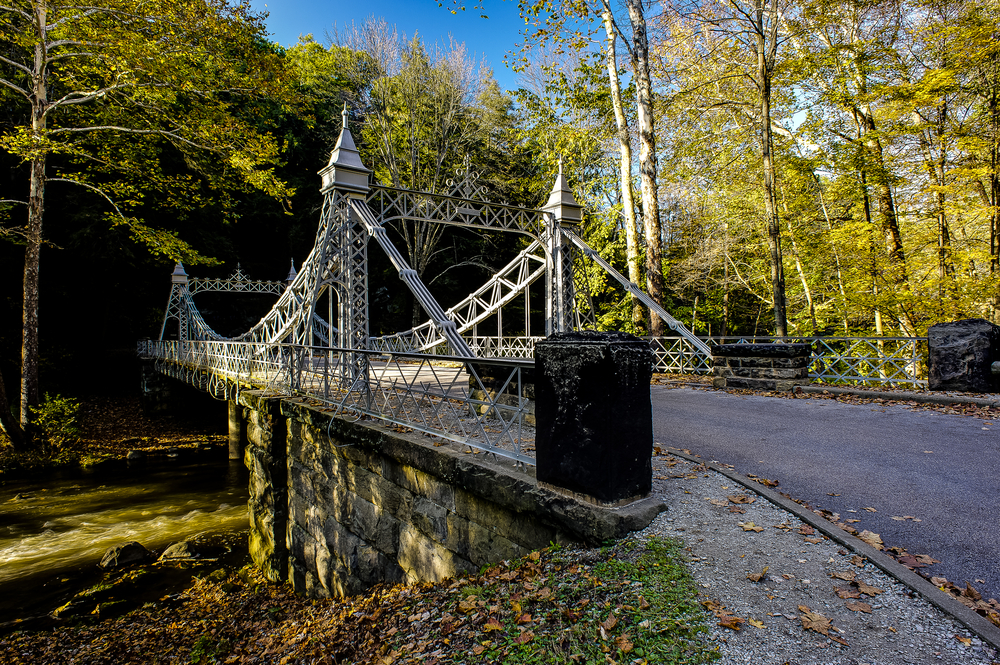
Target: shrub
<point>56,422</point>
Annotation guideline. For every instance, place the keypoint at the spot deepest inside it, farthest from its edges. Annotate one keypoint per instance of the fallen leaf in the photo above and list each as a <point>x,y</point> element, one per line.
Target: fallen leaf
<point>852,521</point>
<point>534,556</point>
<point>926,560</point>
<point>741,498</point>
<point>610,622</point>
<point>969,592</point>
<point>784,526</point>
<point>898,519</point>
<point>730,621</point>
<point>524,637</point>
<point>643,604</point>
<point>871,510</point>
<point>864,587</point>
<point>757,577</point>
<point>939,581</point>
<point>739,510</point>
<point>492,624</point>
<point>814,541</point>
<point>846,592</point>
<point>468,605</point>
<point>624,643</point>
<point>523,619</point>
<point>749,526</point>
<point>756,624</point>
<point>847,575</point>
<point>477,650</point>
<point>859,607</point>
<point>964,640</point>
<point>817,622</point>
<point>806,530</point>
<point>717,502</point>
<point>872,539</point>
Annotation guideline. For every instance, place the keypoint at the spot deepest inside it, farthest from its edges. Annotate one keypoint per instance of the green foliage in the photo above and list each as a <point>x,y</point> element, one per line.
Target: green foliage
<point>56,421</point>
<point>208,649</point>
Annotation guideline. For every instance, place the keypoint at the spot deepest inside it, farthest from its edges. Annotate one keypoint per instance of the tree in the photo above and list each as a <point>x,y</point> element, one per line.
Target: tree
<point>743,38</point>
<point>428,115</point>
<point>108,90</point>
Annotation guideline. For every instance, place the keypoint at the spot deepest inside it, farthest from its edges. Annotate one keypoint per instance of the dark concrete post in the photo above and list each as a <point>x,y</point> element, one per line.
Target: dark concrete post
<point>237,430</point>
<point>156,394</point>
<point>594,419</point>
<point>961,356</point>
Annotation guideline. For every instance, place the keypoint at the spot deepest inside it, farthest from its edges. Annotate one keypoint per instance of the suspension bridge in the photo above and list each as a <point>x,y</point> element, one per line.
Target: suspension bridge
<point>440,377</point>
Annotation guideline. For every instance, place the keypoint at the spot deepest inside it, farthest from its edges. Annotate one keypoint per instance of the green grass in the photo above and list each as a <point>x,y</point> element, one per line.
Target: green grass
<point>633,603</point>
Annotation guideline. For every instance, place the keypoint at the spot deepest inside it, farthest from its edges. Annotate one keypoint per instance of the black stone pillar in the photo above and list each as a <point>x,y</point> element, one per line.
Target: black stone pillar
<point>594,427</point>
<point>961,354</point>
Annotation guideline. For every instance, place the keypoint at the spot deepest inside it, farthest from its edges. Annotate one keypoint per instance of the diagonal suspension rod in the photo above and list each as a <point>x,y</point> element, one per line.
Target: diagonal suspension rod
<point>674,324</point>
<point>409,276</point>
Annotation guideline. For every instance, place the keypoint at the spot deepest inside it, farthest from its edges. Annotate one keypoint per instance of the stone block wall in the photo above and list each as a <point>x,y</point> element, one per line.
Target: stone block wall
<point>761,366</point>
<point>961,355</point>
<point>265,455</point>
<point>366,504</point>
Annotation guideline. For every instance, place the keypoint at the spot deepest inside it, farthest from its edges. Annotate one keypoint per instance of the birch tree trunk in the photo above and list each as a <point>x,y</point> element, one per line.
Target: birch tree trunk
<point>625,162</point>
<point>33,235</point>
<point>647,161</point>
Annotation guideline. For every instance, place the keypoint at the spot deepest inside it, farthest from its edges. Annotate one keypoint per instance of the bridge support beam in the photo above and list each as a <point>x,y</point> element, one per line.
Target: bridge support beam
<point>266,458</point>
<point>237,430</point>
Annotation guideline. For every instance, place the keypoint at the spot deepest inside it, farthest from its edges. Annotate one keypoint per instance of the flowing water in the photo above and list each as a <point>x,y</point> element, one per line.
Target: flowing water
<point>54,530</point>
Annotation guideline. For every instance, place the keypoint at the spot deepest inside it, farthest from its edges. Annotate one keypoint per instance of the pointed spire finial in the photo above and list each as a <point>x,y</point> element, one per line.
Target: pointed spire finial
<point>291,273</point>
<point>345,171</point>
<point>178,276</point>
<point>561,201</point>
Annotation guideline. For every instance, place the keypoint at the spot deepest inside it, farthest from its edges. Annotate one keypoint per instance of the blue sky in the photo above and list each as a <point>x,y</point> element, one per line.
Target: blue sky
<point>490,37</point>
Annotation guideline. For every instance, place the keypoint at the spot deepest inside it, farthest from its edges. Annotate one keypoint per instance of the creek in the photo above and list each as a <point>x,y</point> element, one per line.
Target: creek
<point>55,529</point>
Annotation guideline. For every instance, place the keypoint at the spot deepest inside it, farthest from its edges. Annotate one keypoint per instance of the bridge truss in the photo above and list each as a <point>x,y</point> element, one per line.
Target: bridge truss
<point>297,336</point>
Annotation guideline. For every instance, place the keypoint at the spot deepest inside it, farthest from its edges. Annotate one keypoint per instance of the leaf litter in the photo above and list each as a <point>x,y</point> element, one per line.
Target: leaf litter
<point>561,606</point>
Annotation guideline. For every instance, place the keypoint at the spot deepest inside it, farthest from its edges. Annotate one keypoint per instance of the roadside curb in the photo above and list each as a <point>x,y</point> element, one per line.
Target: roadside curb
<point>899,397</point>
<point>980,626</point>
<point>819,388</point>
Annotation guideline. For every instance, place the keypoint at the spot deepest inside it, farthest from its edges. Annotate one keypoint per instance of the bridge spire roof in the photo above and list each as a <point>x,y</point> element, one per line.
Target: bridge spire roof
<point>345,170</point>
<point>561,201</point>
<point>292,274</point>
<point>178,276</point>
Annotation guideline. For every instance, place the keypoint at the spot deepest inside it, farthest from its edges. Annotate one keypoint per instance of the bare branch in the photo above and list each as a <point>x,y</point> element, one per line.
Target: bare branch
<point>16,88</point>
<point>14,10</point>
<point>91,187</point>
<point>129,130</point>
<point>24,203</point>
<point>16,65</point>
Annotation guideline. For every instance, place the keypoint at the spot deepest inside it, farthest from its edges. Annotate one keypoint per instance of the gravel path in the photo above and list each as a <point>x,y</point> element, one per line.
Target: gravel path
<point>890,624</point>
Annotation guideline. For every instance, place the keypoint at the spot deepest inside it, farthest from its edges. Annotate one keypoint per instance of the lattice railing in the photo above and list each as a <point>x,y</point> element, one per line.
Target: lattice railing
<point>438,395</point>
<point>863,361</point>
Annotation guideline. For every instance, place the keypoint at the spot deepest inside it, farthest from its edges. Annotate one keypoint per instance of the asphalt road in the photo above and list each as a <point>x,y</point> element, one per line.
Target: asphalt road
<point>941,469</point>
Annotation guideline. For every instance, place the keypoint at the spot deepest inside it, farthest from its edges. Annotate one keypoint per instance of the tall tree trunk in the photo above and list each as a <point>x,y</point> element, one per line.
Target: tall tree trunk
<point>647,161</point>
<point>624,163</point>
<point>36,207</point>
<point>836,254</point>
<point>766,50</point>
